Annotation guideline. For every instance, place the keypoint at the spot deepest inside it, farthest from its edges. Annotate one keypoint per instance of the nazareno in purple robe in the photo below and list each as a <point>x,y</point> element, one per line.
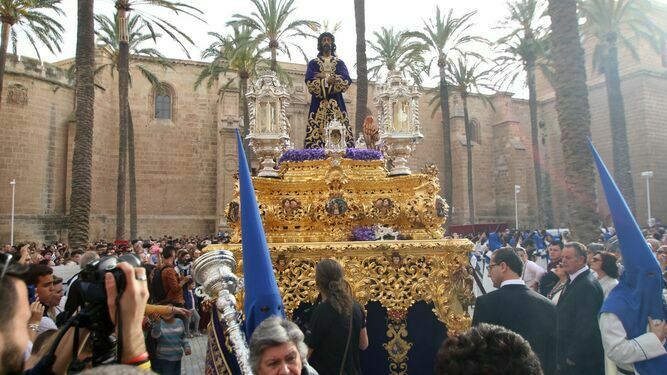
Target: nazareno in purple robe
<point>326,101</point>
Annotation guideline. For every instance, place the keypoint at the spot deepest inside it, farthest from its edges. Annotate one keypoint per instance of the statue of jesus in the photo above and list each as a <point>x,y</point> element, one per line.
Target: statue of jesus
<point>327,79</point>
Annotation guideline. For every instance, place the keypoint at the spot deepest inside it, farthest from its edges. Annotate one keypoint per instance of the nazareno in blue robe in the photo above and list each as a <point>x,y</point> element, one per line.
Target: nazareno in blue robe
<point>326,102</point>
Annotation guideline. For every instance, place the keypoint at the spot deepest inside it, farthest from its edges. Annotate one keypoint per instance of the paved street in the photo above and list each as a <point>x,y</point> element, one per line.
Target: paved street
<point>196,362</point>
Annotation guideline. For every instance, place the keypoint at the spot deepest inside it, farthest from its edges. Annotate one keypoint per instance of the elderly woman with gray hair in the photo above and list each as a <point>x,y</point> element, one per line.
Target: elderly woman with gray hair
<point>277,348</point>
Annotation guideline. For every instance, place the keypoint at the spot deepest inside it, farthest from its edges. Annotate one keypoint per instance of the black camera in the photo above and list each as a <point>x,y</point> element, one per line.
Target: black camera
<point>92,276</point>
<point>94,314</point>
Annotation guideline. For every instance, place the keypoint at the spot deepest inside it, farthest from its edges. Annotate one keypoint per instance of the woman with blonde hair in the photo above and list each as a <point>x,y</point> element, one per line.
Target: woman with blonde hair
<point>338,324</point>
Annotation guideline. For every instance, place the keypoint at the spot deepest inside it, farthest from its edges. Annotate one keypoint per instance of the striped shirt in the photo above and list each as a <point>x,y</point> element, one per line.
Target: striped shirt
<point>170,339</point>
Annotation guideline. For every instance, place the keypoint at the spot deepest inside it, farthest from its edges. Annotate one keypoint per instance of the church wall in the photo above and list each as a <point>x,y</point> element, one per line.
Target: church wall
<point>36,103</point>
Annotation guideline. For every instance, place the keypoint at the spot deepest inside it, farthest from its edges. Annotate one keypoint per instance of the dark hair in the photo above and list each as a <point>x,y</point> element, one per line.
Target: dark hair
<point>36,271</point>
<point>608,264</point>
<point>557,243</point>
<point>487,349</point>
<point>578,247</point>
<point>333,42</point>
<point>331,281</point>
<point>8,292</point>
<point>76,252</point>
<point>168,251</point>
<point>508,256</point>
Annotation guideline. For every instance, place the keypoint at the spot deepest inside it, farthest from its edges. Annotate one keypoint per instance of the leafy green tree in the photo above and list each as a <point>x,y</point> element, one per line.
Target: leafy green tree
<point>519,51</point>
<point>82,158</point>
<point>396,51</point>
<point>444,35</point>
<point>613,24</point>
<point>468,75</point>
<point>272,22</point>
<point>29,18</point>
<point>574,118</point>
<point>108,35</point>
<point>142,8</point>
<point>238,52</point>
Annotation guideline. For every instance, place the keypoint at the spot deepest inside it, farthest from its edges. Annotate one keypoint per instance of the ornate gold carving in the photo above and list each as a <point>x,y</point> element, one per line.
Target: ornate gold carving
<point>333,199</point>
<point>394,273</point>
<point>397,347</point>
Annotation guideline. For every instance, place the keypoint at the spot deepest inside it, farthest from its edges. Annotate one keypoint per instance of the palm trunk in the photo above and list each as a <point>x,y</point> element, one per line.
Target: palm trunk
<point>274,61</point>
<point>534,138</point>
<point>243,89</point>
<point>446,139</point>
<point>466,124</point>
<point>123,84</point>
<point>574,119</point>
<point>4,44</point>
<point>362,68</point>
<point>619,135</point>
<point>133,175</point>
<point>79,212</point>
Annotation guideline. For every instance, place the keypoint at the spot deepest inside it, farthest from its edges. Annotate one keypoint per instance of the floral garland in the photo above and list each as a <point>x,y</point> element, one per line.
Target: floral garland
<point>303,155</point>
<point>319,154</point>
<point>362,154</point>
<point>364,234</point>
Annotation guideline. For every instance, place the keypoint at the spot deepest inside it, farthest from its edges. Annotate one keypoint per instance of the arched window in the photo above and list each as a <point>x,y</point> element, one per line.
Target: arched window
<point>475,132</point>
<point>163,103</point>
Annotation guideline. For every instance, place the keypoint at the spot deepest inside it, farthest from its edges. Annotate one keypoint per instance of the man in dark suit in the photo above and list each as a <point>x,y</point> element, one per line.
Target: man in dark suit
<point>518,308</point>
<point>550,279</point>
<point>579,343</point>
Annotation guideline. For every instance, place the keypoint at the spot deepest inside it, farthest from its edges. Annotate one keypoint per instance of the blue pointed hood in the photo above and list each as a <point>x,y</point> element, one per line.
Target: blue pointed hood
<point>494,241</point>
<point>262,297</point>
<point>638,294</point>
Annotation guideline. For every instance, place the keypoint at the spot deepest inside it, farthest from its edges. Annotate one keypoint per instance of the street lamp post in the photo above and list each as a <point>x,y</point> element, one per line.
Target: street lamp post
<point>11,223</point>
<point>648,175</point>
<point>517,189</point>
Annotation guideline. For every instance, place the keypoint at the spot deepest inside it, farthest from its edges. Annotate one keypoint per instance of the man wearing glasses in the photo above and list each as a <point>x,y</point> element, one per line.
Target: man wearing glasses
<point>518,308</point>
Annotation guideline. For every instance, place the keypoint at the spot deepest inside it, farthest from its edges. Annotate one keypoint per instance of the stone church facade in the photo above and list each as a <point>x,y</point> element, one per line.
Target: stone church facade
<point>186,151</point>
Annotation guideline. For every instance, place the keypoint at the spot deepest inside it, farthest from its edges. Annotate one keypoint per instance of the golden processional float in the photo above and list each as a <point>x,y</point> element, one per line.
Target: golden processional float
<point>384,225</point>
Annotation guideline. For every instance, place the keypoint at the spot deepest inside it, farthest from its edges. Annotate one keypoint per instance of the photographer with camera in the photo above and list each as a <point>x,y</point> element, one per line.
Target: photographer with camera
<point>124,292</point>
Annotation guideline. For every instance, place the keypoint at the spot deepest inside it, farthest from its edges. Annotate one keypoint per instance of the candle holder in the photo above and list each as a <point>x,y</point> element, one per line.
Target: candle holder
<point>268,100</point>
<point>397,105</point>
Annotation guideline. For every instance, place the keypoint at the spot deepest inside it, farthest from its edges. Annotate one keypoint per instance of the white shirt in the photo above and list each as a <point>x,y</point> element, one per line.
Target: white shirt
<point>607,283</point>
<point>512,282</point>
<point>625,352</point>
<point>532,273</point>
<point>574,275</point>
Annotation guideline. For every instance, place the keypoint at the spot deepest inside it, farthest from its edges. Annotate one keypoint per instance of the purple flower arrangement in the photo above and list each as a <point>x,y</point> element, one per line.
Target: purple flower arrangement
<point>362,154</point>
<point>363,234</point>
<point>319,154</point>
<point>303,155</point>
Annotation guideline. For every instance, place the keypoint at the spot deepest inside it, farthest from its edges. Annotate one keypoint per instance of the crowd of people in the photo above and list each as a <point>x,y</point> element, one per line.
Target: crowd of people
<point>539,320</point>
<point>559,309</point>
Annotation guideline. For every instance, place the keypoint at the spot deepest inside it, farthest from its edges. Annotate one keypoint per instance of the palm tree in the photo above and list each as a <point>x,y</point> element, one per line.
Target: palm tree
<point>108,36</point>
<point>79,212</point>
<point>362,66</point>
<point>519,51</point>
<point>610,23</point>
<point>574,118</point>
<point>28,17</point>
<point>396,51</point>
<point>443,35</point>
<point>238,52</point>
<point>469,76</point>
<point>270,21</point>
<point>123,66</point>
